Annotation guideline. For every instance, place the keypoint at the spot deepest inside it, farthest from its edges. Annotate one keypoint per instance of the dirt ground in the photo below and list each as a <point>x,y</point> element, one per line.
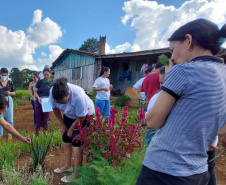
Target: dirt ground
<point>23,120</point>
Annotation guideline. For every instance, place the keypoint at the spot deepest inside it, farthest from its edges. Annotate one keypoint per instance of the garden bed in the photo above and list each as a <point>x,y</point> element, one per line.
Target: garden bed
<point>23,120</point>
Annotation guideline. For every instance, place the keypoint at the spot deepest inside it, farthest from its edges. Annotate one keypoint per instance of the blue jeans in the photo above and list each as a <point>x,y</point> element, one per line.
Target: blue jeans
<point>104,105</point>
<point>9,114</point>
<point>33,105</point>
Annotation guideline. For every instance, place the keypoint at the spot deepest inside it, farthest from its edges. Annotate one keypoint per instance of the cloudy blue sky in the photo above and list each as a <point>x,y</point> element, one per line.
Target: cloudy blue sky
<point>34,32</point>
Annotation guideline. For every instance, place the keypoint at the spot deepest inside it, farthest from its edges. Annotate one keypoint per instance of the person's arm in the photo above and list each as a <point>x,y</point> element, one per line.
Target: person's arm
<point>100,89</point>
<point>37,96</point>
<point>111,87</point>
<point>13,131</point>
<point>157,115</point>
<point>30,91</point>
<point>74,125</point>
<point>136,92</point>
<point>58,115</point>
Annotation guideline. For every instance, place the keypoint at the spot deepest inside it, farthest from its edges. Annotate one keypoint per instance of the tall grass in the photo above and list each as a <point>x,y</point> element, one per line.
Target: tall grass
<point>22,93</point>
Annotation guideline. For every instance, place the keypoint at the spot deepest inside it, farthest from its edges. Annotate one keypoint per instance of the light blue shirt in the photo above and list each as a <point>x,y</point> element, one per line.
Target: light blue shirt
<point>179,147</point>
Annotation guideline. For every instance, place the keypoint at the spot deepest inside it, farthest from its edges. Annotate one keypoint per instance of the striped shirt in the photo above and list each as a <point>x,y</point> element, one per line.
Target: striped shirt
<point>179,147</point>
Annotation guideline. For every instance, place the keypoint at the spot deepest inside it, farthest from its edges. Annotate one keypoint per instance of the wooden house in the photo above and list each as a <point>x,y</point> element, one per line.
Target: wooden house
<point>82,68</point>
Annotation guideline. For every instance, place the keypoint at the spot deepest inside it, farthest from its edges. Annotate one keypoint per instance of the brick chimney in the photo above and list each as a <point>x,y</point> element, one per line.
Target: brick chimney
<point>101,46</point>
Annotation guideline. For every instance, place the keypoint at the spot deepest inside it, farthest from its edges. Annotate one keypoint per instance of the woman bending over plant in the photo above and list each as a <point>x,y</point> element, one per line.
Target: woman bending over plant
<point>75,105</point>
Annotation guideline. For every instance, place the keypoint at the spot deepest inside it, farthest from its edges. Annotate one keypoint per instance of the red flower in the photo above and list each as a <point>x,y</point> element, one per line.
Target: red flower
<point>113,111</point>
<point>125,109</point>
<point>64,63</point>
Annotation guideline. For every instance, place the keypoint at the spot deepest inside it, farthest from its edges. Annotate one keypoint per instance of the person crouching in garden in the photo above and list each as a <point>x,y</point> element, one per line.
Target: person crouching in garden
<point>42,91</point>
<point>76,105</point>
<point>5,124</point>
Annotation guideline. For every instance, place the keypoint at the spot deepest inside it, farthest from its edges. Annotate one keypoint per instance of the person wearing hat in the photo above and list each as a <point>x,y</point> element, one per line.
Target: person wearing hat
<point>9,90</point>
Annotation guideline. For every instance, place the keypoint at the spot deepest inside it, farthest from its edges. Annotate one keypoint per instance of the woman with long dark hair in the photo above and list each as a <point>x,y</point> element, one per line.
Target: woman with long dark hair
<point>190,109</point>
<point>31,92</point>
<point>103,87</point>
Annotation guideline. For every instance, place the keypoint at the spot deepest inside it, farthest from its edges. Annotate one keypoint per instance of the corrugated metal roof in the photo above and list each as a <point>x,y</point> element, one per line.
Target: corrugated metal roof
<point>133,54</point>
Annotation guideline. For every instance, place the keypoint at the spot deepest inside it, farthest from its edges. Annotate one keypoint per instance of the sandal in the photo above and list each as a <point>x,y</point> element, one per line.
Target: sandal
<point>57,170</point>
<point>65,179</point>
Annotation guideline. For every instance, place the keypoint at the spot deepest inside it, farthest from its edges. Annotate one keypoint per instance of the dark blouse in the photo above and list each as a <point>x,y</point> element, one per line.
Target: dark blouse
<point>10,86</point>
<point>43,88</point>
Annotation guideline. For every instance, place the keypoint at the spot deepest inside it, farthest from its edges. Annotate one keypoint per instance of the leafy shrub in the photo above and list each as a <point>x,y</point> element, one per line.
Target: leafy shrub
<point>122,101</point>
<point>114,139</point>
<point>24,177</point>
<point>92,95</point>
<point>100,171</point>
<point>39,148</point>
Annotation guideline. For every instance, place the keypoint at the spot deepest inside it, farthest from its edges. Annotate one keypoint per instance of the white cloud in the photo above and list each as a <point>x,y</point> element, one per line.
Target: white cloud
<point>44,54</point>
<point>43,32</point>
<point>156,22</point>
<point>17,47</point>
<point>54,51</point>
<point>118,49</point>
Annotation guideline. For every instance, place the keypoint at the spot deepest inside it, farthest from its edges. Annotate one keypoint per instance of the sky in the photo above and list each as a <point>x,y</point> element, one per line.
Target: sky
<point>35,32</point>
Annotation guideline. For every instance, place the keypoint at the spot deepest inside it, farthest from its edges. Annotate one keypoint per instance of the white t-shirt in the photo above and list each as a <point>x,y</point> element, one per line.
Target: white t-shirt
<point>41,76</point>
<point>152,102</point>
<point>101,82</point>
<point>139,83</point>
<point>79,103</point>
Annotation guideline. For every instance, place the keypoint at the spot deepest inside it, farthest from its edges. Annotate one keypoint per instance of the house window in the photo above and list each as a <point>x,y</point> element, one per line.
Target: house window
<point>78,73</point>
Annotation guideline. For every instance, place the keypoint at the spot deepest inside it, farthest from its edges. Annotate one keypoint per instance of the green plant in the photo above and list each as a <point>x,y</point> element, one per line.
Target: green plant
<point>92,95</point>
<point>114,139</point>
<point>39,148</point>
<point>53,127</point>
<point>100,171</point>
<point>22,176</point>
<point>122,101</point>
<point>7,154</point>
<point>20,94</point>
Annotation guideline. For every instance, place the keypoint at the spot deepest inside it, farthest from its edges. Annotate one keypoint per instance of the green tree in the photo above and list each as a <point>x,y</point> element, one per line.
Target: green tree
<point>21,78</point>
<point>90,45</point>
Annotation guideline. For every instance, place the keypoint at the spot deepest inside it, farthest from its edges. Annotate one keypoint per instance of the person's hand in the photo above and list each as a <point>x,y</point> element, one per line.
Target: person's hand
<point>63,128</point>
<point>40,100</point>
<point>69,133</point>
<point>106,89</point>
<point>26,140</point>
<point>213,147</point>
<point>7,92</point>
<point>111,87</point>
<point>168,67</point>
<point>33,98</point>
